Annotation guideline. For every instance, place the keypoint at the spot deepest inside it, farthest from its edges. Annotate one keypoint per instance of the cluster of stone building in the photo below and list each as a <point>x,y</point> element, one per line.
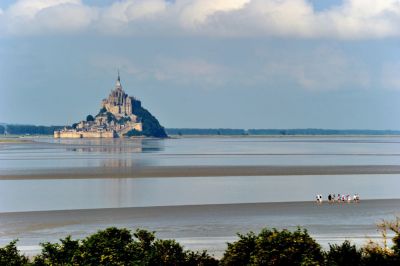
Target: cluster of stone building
<point>115,118</point>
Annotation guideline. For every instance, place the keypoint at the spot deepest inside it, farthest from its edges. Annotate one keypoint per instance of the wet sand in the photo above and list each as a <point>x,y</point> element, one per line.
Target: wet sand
<point>14,141</point>
<point>204,226</point>
<point>196,171</point>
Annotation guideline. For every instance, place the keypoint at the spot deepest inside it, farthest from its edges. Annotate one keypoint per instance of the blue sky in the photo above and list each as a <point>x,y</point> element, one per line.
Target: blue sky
<point>204,63</point>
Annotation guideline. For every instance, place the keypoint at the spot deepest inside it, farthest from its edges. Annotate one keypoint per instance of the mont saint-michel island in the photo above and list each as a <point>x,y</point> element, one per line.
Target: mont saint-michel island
<point>120,116</point>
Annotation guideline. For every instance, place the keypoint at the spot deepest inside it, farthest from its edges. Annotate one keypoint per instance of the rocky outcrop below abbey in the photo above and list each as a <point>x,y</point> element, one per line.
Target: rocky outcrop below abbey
<point>120,116</point>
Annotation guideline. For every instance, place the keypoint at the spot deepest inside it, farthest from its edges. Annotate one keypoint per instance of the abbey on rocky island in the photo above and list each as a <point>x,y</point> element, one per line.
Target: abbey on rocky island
<point>119,116</point>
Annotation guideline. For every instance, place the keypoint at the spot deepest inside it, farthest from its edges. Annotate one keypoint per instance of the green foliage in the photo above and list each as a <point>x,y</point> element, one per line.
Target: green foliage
<point>166,252</point>
<point>111,246</point>
<point>239,252</point>
<point>102,111</point>
<point>343,255</point>
<point>89,118</point>
<point>151,126</point>
<point>133,133</point>
<point>111,117</point>
<point>2,129</point>
<point>273,247</point>
<point>395,227</point>
<point>200,259</point>
<point>123,120</point>
<point>373,255</point>
<point>9,255</point>
<point>58,254</point>
<point>114,246</point>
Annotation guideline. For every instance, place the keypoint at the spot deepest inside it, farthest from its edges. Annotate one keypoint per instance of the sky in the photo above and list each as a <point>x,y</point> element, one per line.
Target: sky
<point>204,63</point>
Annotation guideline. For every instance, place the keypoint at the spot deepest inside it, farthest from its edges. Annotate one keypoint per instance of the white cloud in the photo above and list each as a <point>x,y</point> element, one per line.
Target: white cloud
<point>27,9</point>
<point>196,12</point>
<point>368,18</point>
<point>353,19</point>
<point>123,17</point>
<point>131,10</point>
<point>39,16</point>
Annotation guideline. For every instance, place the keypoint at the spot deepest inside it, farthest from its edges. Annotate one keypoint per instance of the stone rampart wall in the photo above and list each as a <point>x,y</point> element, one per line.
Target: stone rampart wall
<point>83,134</point>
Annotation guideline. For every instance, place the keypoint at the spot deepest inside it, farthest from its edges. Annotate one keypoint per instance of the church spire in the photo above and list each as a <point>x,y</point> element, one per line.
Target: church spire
<point>118,83</point>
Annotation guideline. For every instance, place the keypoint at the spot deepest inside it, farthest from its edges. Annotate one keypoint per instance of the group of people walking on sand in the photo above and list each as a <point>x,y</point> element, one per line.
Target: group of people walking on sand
<point>339,198</point>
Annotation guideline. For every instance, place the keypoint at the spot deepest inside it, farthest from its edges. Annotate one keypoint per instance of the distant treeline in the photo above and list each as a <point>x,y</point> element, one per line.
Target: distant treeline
<point>316,131</point>
<point>274,132</point>
<point>205,131</point>
<point>29,129</point>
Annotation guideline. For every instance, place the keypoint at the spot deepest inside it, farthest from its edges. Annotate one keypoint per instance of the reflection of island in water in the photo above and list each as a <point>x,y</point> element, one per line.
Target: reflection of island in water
<point>113,145</point>
<point>115,153</point>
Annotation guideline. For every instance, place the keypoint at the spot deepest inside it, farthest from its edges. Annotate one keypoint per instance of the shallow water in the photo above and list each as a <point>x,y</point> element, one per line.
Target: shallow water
<point>55,194</point>
<point>59,194</point>
<point>53,154</point>
<point>207,226</point>
<point>214,228</point>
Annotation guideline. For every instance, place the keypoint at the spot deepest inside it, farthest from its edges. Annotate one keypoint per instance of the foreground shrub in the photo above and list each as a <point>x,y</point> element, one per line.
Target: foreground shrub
<point>200,259</point>
<point>114,246</point>
<point>9,255</point>
<point>345,254</point>
<point>58,254</point>
<point>377,254</point>
<point>240,252</point>
<point>373,254</point>
<point>273,247</point>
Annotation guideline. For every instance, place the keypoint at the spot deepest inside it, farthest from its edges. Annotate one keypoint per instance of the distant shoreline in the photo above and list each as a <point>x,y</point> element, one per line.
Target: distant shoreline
<point>279,136</point>
<point>34,130</point>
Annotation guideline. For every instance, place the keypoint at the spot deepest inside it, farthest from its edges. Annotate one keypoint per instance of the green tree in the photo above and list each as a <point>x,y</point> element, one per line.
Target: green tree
<point>166,252</point>
<point>89,118</point>
<point>345,254</point>
<point>239,252</point>
<point>273,247</point>
<point>373,255</point>
<point>110,117</point>
<point>58,254</point>
<point>111,246</point>
<point>10,256</point>
<point>200,259</point>
<point>376,254</point>
<point>151,126</point>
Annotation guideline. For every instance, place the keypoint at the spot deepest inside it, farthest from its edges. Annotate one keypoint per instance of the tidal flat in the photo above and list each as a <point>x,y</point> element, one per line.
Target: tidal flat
<point>200,191</point>
<point>208,227</point>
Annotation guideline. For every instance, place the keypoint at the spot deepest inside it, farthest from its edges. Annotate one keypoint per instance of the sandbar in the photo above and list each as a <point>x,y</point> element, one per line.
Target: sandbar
<point>196,171</point>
